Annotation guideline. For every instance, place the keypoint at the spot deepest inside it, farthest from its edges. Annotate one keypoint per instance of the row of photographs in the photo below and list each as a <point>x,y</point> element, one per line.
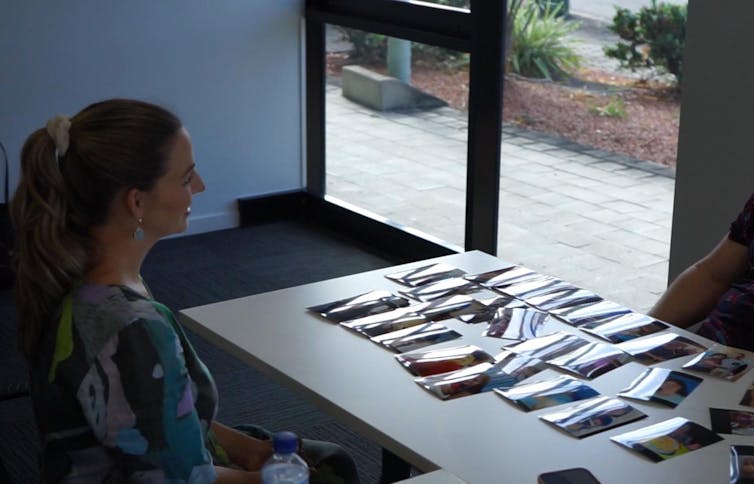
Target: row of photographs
<point>526,308</point>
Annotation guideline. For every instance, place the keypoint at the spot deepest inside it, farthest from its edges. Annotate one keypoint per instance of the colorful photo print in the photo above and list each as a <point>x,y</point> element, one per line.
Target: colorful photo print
<point>662,385</point>
<point>449,307</point>
<point>592,416</point>
<point>549,346</point>
<point>592,313</point>
<point>372,302</point>
<point>438,289</point>
<point>517,323</point>
<point>505,373</point>
<point>660,347</point>
<point>592,360</point>
<point>442,360</point>
<point>722,362</point>
<point>548,393</point>
<point>416,337</point>
<point>741,464</point>
<point>388,322</point>
<point>668,439</point>
<point>625,328</point>
<point>736,422</point>
<point>425,274</point>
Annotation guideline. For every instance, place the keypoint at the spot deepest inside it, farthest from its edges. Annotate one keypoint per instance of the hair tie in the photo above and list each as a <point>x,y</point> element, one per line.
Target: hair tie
<point>58,128</point>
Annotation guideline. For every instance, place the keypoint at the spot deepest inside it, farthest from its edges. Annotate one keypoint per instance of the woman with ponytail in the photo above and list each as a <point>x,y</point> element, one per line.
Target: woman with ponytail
<point>119,394</point>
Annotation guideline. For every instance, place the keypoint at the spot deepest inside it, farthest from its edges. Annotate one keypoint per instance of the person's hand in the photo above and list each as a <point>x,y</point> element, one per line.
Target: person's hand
<point>256,454</point>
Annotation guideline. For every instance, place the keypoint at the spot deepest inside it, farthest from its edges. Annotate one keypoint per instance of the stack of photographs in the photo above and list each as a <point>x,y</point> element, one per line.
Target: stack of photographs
<point>508,370</point>
<point>425,274</point>
<point>592,416</point>
<point>662,385</point>
<point>548,393</point>
<point>721,362</point>
<point>443,360</point>
<point>592,360</point>
<point>416,337</point>
<point>501,278</point>
<point>660,347</point>
<point>372,302</point>
<point>668,439</point>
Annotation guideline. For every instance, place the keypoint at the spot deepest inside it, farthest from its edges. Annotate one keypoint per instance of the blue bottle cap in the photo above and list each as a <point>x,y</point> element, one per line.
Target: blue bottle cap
<point>285,442</point>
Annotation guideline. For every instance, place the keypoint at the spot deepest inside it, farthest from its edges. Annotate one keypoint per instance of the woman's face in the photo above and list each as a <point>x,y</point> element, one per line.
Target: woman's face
<point>669,387</point>
<point>168,204</point>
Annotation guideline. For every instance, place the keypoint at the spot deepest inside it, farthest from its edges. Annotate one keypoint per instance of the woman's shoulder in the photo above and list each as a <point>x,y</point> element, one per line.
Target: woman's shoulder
<point>98,312</point>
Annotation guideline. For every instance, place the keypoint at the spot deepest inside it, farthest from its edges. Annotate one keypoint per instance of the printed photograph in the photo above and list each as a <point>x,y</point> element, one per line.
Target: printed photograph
<point>594,312</point>
<point>748,398</point>
<point>509,370</point>
<point>662,385</point>
<point>438,289</point>
<point>489,278</point>
<point>721,362</point>
<point>382,323</point>
<point>548,393</point>
<point>425,274</point>
<point>564,300</point>
<point>668,439</point>
<point>625,328</point>
<point>742,464</point>
<point>593,416</point>
<point>660,347</point>
<point>517,323</point>
<point>449,307</point>
<point>549,346</point>
<point>736,422</point>
<point>592,360</point>
<point>372,302</point>
<point>416,337</point>
<point>442,360</point>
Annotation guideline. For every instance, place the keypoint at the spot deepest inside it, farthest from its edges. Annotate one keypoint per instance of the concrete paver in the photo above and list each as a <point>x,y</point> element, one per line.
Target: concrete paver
<point>593,219</point>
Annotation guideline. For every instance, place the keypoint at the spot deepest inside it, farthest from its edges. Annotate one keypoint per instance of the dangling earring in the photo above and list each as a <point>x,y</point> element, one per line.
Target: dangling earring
<point>139,232</point>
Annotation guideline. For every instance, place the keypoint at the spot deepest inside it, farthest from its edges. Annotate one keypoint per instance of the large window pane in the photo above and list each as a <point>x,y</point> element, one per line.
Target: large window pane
<point>405,161</point>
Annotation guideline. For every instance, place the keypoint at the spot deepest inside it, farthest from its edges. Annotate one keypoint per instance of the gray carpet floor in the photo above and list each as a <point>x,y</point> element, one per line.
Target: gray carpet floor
<point>201,269</point>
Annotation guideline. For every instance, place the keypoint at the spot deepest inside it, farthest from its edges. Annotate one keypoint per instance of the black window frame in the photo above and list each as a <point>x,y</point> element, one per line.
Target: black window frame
<point>479,32</point>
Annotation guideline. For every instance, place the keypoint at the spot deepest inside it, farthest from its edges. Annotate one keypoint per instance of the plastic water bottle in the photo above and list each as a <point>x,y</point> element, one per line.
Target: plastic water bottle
<point>285,466</point>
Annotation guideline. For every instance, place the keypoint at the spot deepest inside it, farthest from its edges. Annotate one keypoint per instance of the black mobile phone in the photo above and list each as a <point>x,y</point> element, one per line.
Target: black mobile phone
<point>576,475</point>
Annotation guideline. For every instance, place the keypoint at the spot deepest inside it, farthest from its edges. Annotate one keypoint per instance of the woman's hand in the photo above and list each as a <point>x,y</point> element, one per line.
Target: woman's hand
<point>255,454</point>
<point>244,451</point>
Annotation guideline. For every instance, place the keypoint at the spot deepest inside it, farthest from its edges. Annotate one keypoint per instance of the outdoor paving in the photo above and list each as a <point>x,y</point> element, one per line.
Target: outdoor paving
<point>596,219</point>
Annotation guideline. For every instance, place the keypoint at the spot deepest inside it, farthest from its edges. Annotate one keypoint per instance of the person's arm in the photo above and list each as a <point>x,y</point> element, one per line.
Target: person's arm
<point>694,293</point>
<point>243,450</point>
<point>226,475</point>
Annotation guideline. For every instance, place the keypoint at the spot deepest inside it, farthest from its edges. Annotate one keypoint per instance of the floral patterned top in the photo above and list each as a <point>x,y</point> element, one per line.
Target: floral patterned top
<point>732,321</point>
<point>120,395</point>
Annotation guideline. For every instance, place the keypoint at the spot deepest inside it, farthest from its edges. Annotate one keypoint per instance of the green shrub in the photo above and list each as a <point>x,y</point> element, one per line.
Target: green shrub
<point>538,48</point>
<point>615,108</point>
<point>655,37</point>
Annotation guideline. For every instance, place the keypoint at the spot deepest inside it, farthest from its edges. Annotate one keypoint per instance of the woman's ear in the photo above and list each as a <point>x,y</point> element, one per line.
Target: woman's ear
<point>134,203</point>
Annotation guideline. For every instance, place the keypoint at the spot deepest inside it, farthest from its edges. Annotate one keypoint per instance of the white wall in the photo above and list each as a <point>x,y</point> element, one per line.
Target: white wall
<point>230,69</point>
<point>715,172</point>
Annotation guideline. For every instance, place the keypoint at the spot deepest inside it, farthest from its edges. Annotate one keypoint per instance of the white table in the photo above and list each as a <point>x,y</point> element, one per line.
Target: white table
<point>480,438</point>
